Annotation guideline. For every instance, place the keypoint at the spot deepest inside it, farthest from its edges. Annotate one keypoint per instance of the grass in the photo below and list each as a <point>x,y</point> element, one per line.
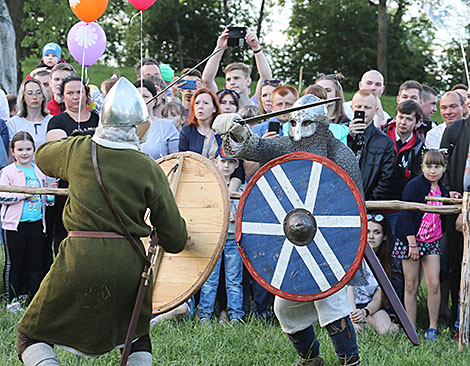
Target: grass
<point>255,343</point>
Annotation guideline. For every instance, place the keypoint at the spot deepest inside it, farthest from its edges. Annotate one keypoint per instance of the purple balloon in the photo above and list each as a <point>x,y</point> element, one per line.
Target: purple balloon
<point>86,42</point>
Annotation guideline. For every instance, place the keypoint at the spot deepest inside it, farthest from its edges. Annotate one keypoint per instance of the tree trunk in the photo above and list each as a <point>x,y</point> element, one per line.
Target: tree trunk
<point>254,72</point>
<point>8,47</point>
<point>382,39</point>
<point>228,51</point>
<point>15,7</point>
<point>178,34</point>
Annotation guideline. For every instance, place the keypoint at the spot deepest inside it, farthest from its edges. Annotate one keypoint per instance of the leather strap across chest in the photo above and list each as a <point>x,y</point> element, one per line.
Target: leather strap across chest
<point>118,219</point>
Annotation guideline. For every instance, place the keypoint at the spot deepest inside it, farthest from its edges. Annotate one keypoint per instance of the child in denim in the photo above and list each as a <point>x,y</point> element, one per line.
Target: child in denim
<point>233,261</point>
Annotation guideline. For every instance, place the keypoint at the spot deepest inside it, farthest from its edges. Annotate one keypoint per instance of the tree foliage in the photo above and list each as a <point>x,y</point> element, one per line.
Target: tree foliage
<point>329,36</point>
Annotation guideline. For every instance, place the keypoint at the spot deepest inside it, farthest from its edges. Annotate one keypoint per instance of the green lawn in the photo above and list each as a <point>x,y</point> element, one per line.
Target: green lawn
<point>255,343</point>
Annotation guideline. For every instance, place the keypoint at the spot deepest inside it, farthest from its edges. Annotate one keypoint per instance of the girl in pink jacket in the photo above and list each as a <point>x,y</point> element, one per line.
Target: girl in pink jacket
<point>23,224</point>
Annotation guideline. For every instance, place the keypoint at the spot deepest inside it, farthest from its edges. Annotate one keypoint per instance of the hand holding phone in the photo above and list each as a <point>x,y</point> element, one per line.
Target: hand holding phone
<point>236,36</point>
<point>274,127</point>
<point>187,84</point>
<point>357,125</point>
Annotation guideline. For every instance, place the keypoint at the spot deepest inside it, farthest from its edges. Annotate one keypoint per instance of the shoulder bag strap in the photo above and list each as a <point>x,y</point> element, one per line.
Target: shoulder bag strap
<point>118,219</point>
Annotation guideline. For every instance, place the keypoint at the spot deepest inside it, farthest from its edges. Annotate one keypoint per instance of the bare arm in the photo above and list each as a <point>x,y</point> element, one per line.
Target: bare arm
<point>264,70</point>
<point>210,71</point>
<point>56,134</point>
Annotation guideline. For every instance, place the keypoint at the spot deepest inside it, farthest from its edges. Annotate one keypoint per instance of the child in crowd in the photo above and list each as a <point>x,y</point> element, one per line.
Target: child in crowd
<point>23,223</point>
<point>367,301</point>
<point>176,112</point>
<point>418,238</point>
<point>233,261</point>
<point>51,53</point>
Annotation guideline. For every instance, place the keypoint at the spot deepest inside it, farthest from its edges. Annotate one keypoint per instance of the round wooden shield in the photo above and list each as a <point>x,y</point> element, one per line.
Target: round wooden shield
<point>202,198</point>
<point>287,196</point>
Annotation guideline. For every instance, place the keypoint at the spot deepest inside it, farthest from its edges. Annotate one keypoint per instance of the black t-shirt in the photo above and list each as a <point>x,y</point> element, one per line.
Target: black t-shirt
<point>66,123</point>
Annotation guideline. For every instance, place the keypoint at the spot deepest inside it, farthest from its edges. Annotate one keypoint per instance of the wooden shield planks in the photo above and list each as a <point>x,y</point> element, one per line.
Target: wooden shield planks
<point>202,197</point>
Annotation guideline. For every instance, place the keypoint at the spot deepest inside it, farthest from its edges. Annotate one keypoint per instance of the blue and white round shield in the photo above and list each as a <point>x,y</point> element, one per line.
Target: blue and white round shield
<point>301,227</point>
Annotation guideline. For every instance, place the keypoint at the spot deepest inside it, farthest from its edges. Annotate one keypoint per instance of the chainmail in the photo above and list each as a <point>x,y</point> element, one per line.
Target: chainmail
<point>322,143</point>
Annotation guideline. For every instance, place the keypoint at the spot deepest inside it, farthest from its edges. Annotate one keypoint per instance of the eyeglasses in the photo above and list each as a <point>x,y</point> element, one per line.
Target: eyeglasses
<point>328,76</point>
<point>376,217</point>
<point>274,82</point>
<point>223,92</point>
<point>30,93</point>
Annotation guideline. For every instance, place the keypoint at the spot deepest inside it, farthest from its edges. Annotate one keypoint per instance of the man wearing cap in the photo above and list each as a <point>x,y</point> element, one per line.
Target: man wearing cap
<point>308,132</point>
<point>85,302</point>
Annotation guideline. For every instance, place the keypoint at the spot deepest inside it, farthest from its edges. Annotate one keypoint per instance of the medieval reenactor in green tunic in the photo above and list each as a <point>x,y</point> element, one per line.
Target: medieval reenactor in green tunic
<point>85,302</point>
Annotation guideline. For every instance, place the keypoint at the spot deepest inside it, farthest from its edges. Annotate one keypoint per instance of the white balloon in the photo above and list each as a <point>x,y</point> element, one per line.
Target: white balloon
<point>451,16</point>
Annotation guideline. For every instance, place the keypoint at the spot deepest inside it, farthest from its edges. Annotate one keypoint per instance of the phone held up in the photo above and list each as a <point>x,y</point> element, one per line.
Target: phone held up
<point>360,115</point>
<point>187,84</point>
<point>274,127</point>
<point>236,36</point>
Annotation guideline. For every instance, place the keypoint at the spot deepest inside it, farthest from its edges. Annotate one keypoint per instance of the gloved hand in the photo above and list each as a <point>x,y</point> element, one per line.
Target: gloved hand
<point>228,123</point>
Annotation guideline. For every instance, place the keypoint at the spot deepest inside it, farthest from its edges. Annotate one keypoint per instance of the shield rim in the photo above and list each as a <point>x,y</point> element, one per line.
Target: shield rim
<point>362,213</point>
<point>222,236</point>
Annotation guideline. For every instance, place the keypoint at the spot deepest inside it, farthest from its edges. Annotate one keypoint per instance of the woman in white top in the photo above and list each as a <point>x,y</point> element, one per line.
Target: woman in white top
<point>33,116</point>
<point>162,136</point>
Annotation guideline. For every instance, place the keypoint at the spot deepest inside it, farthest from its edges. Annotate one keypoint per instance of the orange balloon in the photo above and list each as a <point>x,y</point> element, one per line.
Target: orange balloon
<point>88,10</point>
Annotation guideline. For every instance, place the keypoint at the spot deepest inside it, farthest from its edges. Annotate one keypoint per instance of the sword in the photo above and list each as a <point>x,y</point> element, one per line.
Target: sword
<point>266,116</point>
<point>391,295</point>
<point>184,75</point>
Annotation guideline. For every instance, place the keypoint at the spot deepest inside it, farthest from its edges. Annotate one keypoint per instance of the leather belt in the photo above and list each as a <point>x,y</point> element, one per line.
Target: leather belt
<point>95,234</point>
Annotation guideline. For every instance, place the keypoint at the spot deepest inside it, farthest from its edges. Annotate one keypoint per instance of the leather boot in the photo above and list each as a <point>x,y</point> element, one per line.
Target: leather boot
<point>316,361</point>
<point>350,360</point>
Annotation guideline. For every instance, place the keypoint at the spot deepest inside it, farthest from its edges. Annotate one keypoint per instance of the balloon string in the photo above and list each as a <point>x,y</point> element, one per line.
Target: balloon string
<point>141,50</point>
<point>464,61</point>
<point>81,76</point>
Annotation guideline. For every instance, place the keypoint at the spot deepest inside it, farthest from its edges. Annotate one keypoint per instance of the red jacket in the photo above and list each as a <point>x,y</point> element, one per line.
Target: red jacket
<point>54,107</point>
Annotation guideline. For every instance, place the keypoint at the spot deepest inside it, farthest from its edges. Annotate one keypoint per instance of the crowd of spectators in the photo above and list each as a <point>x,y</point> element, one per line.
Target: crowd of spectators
<point>53,103</point>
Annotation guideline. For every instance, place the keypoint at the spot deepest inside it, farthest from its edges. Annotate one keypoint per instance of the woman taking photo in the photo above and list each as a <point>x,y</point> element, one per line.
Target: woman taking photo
<point>162,136</point>
<point>33,116</point>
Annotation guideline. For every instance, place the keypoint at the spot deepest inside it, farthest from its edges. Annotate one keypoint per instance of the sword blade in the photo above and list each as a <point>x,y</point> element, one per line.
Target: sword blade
<point>266,116</point>
<point>391,295</point>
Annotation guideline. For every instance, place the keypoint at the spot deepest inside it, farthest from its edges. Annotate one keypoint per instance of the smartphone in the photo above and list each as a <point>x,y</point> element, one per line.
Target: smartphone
<point>187,84</point>
<point>360,115</point>
<point>274,127</point>
<point>236,36</point>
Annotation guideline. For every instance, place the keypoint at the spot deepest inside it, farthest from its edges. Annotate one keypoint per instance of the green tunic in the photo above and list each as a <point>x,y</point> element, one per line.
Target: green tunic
<point>86,300</point>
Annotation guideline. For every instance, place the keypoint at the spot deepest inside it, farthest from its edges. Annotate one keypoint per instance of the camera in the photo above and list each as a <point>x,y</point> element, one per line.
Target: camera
<point>236,36</point>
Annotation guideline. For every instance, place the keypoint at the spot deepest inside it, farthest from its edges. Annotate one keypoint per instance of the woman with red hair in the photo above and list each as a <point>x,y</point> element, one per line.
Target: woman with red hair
<point>198,135</point>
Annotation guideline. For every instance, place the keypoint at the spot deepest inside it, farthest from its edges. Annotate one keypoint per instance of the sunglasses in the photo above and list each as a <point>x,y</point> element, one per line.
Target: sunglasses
<point>274,82</point>
<point>222,92</point>
<point>328,76</point>
<point>376,217</point>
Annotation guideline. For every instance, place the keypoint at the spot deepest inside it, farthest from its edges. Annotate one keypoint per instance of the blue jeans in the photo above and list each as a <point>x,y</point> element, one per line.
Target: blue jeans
<point>233,279</point>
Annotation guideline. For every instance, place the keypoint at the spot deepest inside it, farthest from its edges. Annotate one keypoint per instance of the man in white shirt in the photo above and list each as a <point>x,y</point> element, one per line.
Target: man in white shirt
<point>373,81</point>
<point>451,110</point>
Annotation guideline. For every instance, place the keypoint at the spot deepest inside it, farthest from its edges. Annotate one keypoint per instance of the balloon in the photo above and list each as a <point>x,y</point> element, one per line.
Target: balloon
<point>451,16</point>
<point>141,4</point>
<point>88,10</point>
<point>86,39</point>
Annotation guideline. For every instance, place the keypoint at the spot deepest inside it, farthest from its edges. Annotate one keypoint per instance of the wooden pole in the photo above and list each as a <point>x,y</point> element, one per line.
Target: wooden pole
<point>32,190</point>
<point>464,319</point>
<point>444,199</point>
<point>464,327</point>
<point>301,75</point>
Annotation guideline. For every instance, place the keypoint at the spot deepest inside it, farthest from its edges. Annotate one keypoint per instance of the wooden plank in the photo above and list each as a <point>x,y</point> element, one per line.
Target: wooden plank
<point>210,220</point>
<point>193,194</point>
<point>176,269</point>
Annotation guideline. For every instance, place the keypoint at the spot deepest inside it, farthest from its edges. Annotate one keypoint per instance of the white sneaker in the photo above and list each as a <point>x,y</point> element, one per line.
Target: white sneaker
<point>14,307</point>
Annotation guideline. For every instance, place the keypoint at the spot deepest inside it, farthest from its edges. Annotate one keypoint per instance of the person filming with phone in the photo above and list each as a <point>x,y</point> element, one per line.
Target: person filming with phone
<point>373,148</point>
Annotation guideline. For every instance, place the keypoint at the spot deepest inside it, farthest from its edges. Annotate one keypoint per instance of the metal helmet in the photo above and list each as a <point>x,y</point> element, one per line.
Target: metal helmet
<point>124,106</point>
<point>297,128</point>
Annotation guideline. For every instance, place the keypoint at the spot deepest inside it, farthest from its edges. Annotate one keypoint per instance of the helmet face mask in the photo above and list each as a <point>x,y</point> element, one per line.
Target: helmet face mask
<point>303,123</point>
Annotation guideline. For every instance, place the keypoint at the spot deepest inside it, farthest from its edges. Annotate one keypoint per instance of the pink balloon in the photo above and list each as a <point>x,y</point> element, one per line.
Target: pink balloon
<point>86,42</point>
<point>141,4</point>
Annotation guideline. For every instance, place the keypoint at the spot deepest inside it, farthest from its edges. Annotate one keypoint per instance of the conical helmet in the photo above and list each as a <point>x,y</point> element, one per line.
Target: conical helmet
<point>124,106</point>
